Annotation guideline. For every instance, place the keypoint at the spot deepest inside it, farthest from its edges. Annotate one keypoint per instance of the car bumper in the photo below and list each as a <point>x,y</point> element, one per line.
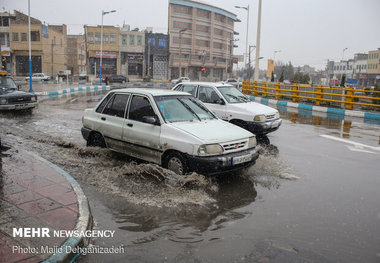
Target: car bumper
<point>264,127</point>
<point>85,133</point>
<point>20,106</point>
<point>212,165</point>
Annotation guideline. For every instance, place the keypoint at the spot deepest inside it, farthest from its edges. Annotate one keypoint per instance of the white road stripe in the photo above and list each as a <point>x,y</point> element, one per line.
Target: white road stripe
<point>357,145</point>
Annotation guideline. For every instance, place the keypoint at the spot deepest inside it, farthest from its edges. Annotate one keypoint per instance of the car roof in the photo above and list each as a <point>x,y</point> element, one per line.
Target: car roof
<point>216,84</point>
<point>152,92</point>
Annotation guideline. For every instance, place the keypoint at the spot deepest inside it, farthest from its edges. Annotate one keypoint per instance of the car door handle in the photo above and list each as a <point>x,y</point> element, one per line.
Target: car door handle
<point>103,118</point>
<point>130,125</point>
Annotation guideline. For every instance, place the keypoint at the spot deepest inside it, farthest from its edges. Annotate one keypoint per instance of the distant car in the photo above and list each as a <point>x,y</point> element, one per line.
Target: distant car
<point>181,79</point>
<point>233,82</point>
<point>83,76</point>
<point>11,98</point>
<point>39,77</point>
<point>230,104</point>
<point>169,128</point>
<point>117,78</point>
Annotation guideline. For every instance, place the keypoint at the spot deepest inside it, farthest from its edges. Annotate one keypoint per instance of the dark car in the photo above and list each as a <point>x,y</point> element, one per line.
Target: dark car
<point>11,98</point>
<point>117,78</point>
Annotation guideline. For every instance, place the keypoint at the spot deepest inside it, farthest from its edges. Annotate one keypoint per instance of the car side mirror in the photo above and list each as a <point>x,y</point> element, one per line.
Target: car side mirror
<point>151,120</point>
<point>221,102</point>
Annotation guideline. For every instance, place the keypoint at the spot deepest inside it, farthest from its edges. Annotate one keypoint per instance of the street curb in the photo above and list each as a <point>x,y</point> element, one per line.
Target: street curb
<point>350,113</point>
<point>84,223</point>
<point>72,90</point>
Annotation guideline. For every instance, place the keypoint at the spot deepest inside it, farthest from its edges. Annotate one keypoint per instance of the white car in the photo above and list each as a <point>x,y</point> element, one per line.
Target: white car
<point>180,80</point>
<point>39,77</point>
<point>230,104</point>
<point>169,128</point>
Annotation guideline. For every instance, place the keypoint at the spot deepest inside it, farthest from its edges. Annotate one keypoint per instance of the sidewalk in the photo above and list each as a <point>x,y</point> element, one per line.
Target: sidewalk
<point>37,194</point>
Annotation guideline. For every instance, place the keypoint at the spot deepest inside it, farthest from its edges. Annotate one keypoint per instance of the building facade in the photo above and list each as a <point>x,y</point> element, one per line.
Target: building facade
<point>156,56</point>
<point>5,49</point>
<point>110,60</point>
<point>373,67</point>
<point>201,36</point>
<point>76,54</point>
<point>132,49</point>
<point>48,46</point>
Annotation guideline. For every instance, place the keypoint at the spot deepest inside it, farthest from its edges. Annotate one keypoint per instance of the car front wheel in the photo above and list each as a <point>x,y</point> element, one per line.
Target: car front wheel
<point>176,162</point>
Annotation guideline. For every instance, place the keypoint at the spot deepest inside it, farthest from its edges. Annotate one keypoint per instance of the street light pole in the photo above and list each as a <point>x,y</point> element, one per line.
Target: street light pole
<point>101,44</point>
<point>344,49</point>
<point>249,61</point>
<point>246,40</point>
<point>257,67</point>
<point>30,51</point>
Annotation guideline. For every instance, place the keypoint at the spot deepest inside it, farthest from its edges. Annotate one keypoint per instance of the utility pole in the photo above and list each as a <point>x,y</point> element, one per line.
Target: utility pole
<point>52,58</point>
<point>257,66</point>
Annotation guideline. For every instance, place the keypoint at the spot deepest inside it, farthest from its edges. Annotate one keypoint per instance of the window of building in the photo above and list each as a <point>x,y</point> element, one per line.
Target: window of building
<point>97,37</point>
<point>105,38</point>
<point>123,39</point>
<point>202,43</point>
<point>220,18</point>
<point>131,40</point>
<point>202,28</point>
<point>139,40</point>
<point>162,42</point>
<point>90,37</point>
<point>2,38</point>
<point>181,25</point>
<point>218,45</point>
<point>35,35</point>
<point>15,36</point>
<point>203,13</point>
<point>152,41</point>
<point>182,9</point>
<point>218,32</point>
<point>112,38</point>
<point>24,37</point>
<point>4,21</point>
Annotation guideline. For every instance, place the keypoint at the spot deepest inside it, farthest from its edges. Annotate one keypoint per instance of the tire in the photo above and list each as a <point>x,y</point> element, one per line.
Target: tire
<point>96,140</point>
<point>176,163</point>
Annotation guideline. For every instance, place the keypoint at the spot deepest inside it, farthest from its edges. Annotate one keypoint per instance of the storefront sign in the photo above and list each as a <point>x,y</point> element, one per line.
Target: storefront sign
<point>106,54</point>
<point>135,57</point>
<point>5,51</point>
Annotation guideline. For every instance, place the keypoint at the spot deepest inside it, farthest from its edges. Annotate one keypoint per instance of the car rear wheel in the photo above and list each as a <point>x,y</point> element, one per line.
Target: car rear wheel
<point>96,140</point>
<point>176,162</point>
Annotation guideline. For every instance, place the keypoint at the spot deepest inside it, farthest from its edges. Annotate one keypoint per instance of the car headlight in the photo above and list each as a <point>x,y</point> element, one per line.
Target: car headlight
<point>277,115</point>
<point>259,118</point>
<point>210,149</point>
<point>33,99</point>
<point>252,142</point>
<point>3,101</point>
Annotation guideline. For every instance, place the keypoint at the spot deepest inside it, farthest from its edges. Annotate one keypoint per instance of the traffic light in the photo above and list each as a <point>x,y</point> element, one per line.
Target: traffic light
<point>203,69</point>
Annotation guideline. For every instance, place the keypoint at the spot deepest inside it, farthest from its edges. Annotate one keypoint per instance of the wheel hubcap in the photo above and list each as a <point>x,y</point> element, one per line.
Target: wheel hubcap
<point>175,165</point>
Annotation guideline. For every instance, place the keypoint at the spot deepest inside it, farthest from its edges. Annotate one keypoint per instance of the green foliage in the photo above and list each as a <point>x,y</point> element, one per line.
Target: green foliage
<point>300,78</point>
<point>376,94</point>
<point>343,81</point>
<point>281,77</point>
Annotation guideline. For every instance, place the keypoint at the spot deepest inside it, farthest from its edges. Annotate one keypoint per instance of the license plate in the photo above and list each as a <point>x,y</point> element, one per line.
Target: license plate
<point>241,159</point>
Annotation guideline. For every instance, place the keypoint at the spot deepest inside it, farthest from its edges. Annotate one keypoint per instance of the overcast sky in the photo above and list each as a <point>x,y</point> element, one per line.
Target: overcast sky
<point>306,31</point>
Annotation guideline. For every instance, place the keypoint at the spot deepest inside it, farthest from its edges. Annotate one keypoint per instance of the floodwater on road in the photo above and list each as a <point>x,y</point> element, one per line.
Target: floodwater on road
<point>312,196</point>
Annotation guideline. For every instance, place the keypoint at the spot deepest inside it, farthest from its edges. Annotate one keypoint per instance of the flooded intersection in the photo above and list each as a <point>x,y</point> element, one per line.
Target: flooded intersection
<point>308,198</point>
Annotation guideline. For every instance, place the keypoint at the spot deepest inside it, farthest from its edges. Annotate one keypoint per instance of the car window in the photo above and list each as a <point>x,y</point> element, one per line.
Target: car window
<point>7,85</point>
<point>116,107</point>
<point>182,108</point>
<point>189,89</point>
<point>208,95</point>
<point>232,94</point>
<point>104,103</point>
<point>140,107</point>
<point>179,88</point>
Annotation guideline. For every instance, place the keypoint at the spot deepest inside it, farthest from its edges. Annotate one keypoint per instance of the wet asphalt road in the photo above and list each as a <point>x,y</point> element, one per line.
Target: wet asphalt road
<point>310,198</point>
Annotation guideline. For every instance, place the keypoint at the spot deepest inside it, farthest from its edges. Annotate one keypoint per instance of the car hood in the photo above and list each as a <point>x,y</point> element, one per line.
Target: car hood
<point>254,107</point>
<point>213,131</point>
<point>14,93</point>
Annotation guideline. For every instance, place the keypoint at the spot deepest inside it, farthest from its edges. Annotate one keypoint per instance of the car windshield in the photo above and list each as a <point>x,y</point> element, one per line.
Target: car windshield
<point>182,108</point>
<point>7,85</point>
<point>233,95</point>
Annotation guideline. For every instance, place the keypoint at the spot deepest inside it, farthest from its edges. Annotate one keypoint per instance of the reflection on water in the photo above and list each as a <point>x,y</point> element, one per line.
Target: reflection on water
<point>339,125</point>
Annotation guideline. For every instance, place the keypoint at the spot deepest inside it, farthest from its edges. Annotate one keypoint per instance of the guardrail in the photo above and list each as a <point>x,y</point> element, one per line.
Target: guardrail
<point>319,95</point>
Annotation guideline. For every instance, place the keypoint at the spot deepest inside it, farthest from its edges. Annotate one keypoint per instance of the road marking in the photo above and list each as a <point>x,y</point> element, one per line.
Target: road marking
<point>359,147</point>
